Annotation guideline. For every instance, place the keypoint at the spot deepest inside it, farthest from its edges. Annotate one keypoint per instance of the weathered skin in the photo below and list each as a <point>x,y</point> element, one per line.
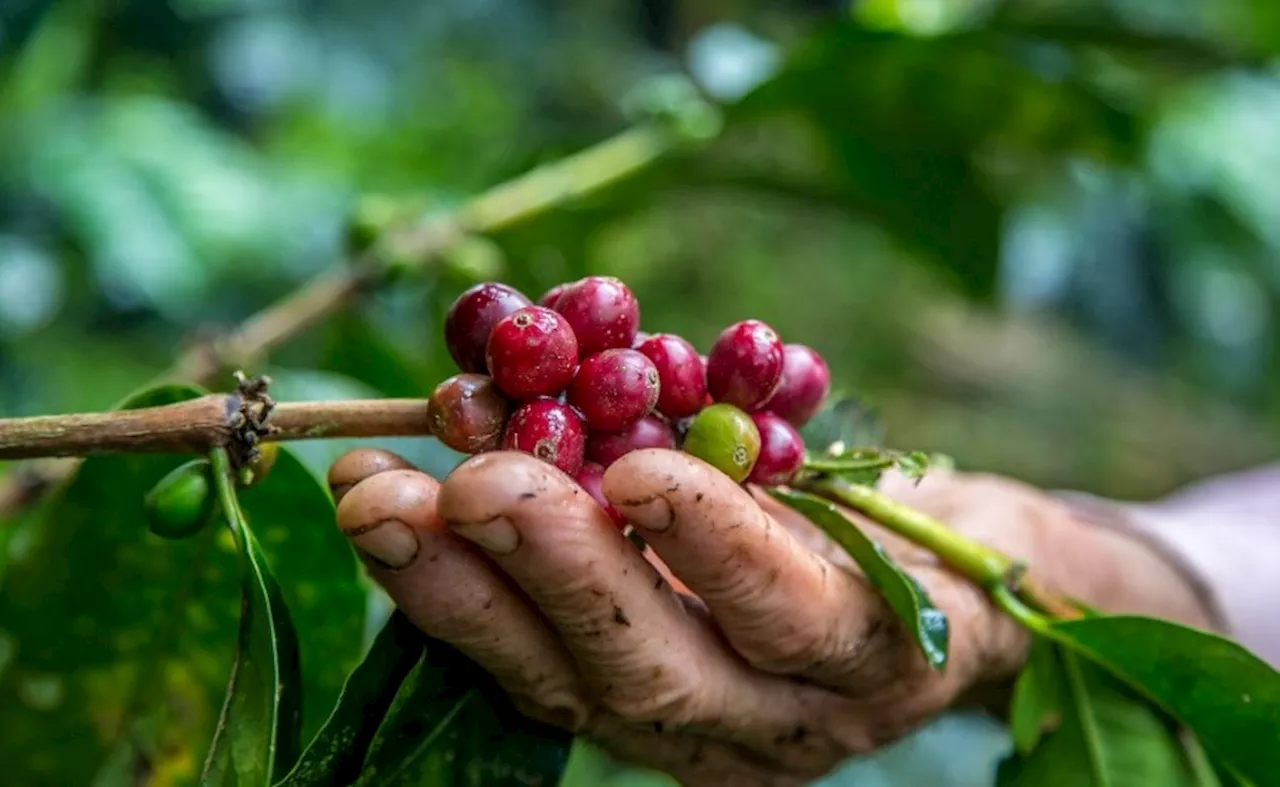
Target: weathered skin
<point>769,660</point>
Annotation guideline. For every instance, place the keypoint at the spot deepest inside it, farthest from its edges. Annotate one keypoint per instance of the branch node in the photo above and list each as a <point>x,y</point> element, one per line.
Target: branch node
<point>249,422</point>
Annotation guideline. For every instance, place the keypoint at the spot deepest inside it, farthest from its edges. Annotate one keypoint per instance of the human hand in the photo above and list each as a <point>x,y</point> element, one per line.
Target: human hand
<point>743,645</point>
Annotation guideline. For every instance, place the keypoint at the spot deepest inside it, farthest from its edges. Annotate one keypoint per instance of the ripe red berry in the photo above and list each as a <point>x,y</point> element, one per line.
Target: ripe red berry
<point>551,431</point>
<point>532,352</point>
<point>471,319</point>
<point>781,450</point>
<point>745,365</point>
<point>805,383</point>
<point>549,298</point>
<point>605,448</point>
<point>591,478</point>
<point>614,389</point>
<point>641,338</point>
<point>603,312</point>
<point>680,370</point>
<point>467,413</point>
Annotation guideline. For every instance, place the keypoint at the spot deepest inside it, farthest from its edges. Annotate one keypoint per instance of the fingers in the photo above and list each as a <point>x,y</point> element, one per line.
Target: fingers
<point>647,657</point>
<point>354,466</point>
<point>786,609</point>
<point>452,593</point>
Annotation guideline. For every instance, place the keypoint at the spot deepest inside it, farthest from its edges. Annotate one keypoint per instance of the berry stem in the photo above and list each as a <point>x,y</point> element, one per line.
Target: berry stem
<point>818,465</point>
<point>999,574</point>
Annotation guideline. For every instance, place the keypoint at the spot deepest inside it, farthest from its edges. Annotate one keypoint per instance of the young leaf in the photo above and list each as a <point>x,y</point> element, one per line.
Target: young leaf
<point>845,422</point>
<point>1036,707</point>
<point>261,721</point>
<point>335,756</point>
<point>117,640</point>
<point>1108,736</point>
<point>914,465</point>
<point>905,596</point>
<point>1229,697</point>
<point>451,725</point>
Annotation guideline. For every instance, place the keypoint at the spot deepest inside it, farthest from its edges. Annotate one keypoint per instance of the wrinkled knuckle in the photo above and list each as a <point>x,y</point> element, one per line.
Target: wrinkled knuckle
<point>675,702</point>
<point>802,649</point>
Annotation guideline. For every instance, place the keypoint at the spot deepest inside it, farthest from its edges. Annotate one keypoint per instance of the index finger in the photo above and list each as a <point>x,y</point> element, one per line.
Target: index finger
<point>782,606</point>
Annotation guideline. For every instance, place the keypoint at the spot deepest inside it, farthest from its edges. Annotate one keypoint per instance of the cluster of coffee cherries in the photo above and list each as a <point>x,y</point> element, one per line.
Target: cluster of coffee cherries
<point>573,381</point>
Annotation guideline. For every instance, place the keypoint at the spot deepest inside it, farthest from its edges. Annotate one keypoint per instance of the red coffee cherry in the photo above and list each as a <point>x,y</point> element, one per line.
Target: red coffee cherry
<point>605,448</point>
<point>532,352</point>
<point>549,298</point>
<point>551,431</point>
<point>591,478</point>
<point>681,373</point>
<point>745,365</point>
<point>468,413</point>
<point>471,318</point>
<point>781,451</point>
<point>603,312</point>
<point>614,389</point>
<point>805,383</point>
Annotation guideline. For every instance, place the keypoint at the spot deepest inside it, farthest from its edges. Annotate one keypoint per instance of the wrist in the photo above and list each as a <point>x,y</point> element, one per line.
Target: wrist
<point>1143,577</point>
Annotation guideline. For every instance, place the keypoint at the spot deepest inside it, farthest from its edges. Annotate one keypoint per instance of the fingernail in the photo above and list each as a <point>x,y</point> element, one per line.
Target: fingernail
<point>650,513</point>
<point>390,543</point>
<point>497,535</point>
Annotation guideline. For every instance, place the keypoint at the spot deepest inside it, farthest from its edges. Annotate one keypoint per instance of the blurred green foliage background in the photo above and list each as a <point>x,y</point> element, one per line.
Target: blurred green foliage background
<point>1042,237</point>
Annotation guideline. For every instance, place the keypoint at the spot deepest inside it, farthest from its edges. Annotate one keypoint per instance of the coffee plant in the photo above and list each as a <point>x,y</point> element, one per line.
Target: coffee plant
<point>219,629</point>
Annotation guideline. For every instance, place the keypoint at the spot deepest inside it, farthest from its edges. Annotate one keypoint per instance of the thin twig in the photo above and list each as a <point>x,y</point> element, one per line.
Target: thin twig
<point>198,425</point>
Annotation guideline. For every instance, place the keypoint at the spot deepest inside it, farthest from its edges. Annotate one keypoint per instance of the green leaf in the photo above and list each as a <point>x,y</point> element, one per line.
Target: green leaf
<point>843,423</point>
<point>909,601</point>
<point>451,725</point>
<point>260,727</point>
<point>1108,736</point>
<point>337,753</point>
<point>291,514</point>
<point>1037,697</point>
<point>115,641</point>
<point>1229,697</point>
<point>907,123</point>
<point>914,465</point>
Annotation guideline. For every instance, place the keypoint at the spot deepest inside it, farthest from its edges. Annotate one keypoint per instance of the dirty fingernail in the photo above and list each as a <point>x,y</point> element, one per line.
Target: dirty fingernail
<point>652,513</point>
<point>390,543</point>
<point>497,535</point>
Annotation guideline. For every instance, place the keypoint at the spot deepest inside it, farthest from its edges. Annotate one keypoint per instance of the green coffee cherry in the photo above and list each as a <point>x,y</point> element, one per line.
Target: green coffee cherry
<point>179,504</point>
<point>257,470</point>
<point>726,438</point>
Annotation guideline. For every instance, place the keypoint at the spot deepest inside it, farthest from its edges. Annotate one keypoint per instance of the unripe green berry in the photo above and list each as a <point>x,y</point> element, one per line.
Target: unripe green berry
<point>257,470</point>
<point>725,438</point>
<point>180,503</point>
